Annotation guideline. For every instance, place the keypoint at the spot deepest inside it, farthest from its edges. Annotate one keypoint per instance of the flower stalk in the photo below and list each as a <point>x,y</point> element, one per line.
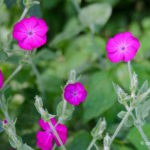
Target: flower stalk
<point>91,144</point>
<point>138,126</point>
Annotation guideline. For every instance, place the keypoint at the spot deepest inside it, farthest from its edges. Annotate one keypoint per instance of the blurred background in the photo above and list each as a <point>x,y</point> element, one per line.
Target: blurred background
<point>78,32</point>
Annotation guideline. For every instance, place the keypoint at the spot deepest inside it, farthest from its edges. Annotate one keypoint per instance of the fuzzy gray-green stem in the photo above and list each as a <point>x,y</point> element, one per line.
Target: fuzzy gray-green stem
<point>91,144</point>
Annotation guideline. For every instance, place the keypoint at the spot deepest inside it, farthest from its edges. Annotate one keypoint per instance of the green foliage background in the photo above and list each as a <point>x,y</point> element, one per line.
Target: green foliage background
<point>76,40</point>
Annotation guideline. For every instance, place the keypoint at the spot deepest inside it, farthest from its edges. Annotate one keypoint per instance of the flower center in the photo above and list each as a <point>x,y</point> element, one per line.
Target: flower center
<point>123,48</point>
<point>74,93</point>
<point>30,33</point>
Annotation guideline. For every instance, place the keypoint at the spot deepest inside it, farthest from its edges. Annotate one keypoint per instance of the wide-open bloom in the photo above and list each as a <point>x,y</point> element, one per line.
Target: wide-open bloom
<point>30,33</point>
<point>122,47</point>
<point>75,93</point>
<point>45,137</point>
<point>1,79</point>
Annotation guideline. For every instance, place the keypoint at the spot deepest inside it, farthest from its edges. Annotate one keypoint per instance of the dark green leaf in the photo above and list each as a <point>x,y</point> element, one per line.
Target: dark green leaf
<point>101,95</point>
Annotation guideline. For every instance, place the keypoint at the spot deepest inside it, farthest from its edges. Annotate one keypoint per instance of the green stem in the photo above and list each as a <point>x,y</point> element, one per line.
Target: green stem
<point>12,75</point>
<point>130,72</point>
<point>54,147</point>
<point>24,13</point>
<point>121,124</point>
<point>91,144</point>
<point>139,128</point>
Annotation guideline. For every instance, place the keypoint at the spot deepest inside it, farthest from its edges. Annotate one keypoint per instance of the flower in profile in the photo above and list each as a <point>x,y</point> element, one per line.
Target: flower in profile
<point>30,33</point>
<point>45,137</point>
<point>122,47</point>
<point>75,93</point>
<point>1,79</point>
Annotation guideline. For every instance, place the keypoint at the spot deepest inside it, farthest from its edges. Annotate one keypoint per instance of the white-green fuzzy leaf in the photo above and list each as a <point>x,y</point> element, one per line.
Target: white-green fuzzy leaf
<point>143,88</point>
<point>143,110</point>
<point>97,13</point>
<point>64,114</point>
<point>121,114</point>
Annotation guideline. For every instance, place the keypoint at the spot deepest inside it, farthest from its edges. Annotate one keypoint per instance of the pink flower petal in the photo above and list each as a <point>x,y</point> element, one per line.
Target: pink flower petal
<point>42,28</point>
<point>115,57</point>
<point>44,140</point>
<point>44,125</point>
<point>129,54</point>
<point>30,23</point>
<point>19,35</point>
<point>19,27</point>
<point>36,41</point>
<point>25,44</point>
<point>53,121</point>
<point>62,132</point>
<point>1,79</point>
<point>112,45</point>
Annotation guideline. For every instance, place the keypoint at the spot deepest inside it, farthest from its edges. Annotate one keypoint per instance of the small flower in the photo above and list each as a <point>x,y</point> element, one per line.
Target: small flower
<point>122,47</point>
<point>1,79</point>
<point>45,138</point>
<point>75,93</point>
<point>4,121</point>
<point>30,33</point>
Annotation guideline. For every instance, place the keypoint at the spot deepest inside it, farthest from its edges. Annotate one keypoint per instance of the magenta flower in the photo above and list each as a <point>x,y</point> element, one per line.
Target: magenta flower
<point>1,79</point>
<point>30,33</point>
<point>45,138</point>
<point>122,47</point>
<point>75,93</point>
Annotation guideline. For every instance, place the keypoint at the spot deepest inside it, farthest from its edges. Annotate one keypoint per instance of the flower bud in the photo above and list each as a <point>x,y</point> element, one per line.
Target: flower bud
<point>99,128</point>
<point>107,142</point>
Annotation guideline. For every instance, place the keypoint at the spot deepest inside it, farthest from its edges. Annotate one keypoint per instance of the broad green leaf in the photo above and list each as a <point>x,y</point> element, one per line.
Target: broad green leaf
<point>44,55</point>
<point>50,82</point>
<point>97,13</point>
<point>79,141</point>
<point>49,4</point>
<point>72,28</point>
<point>146,23</point>
<point>135,138</point>
<point>1,2</point>
<point>25,147</point>
<point>35,11</point>
<point>101,95</point>
<point>111,2</point>
<point>135,29</point>
<point>81,52</point>
<point>145,47</point>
